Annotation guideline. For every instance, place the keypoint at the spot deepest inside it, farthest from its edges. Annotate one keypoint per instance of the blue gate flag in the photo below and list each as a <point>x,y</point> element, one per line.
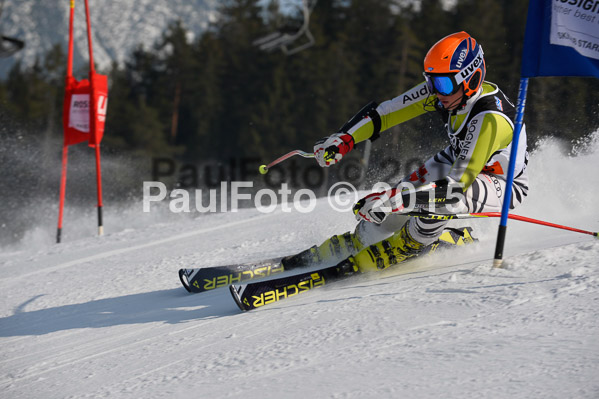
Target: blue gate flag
<point>562,38</point>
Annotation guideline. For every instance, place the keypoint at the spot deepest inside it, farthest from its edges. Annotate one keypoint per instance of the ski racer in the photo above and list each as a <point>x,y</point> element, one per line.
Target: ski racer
<point>479,120</point>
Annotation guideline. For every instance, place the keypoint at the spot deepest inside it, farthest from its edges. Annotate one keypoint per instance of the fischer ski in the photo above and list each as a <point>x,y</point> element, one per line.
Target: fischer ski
<point>208,278</point>
<point>253,295</point>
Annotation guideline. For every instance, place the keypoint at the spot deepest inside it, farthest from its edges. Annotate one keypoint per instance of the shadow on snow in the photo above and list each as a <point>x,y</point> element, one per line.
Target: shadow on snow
<point>169,306</point>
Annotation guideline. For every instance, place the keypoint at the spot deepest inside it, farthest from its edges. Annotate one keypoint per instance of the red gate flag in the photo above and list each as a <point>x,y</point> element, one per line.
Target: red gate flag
<point>83,115</point>
<point>76,110</point>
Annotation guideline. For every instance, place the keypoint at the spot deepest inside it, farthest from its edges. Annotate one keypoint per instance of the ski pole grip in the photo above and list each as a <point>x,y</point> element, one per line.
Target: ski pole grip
<point>329,153</point>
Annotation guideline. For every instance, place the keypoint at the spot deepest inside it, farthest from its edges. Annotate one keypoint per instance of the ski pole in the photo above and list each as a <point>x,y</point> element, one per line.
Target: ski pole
<point>264,168</point>
<point>496,215</point>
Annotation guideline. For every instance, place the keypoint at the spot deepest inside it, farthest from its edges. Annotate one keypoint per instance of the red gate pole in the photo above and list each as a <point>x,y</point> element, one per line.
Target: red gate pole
<point>65,147</point>
<point>93,117</point>
<point>63,186</point>
<point>99,184</point>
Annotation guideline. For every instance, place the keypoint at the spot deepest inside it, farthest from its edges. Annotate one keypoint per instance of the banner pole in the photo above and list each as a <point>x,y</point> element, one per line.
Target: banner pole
<point>65,147</point>
<point>93,117</point>
<point>507,200</point>
<point>63,186</point>
<point>70,52</point>
<point>92,69</point>
<point>99,186</point>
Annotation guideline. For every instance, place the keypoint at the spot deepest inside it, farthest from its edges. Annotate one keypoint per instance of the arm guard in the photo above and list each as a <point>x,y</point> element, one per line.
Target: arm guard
<point>369,111</point>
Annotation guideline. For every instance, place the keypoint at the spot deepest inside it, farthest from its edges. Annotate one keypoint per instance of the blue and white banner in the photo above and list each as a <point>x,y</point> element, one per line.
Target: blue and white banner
<point>575,24</point>
<point>562,38</point>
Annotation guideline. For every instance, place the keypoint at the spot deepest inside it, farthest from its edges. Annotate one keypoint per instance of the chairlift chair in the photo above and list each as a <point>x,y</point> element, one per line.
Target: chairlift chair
<point>279,40</point>
<point>9,45</point>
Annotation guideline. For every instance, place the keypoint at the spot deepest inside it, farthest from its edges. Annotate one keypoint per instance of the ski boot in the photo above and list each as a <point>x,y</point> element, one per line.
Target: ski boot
<point>393,250</point>
<point>334,249</point>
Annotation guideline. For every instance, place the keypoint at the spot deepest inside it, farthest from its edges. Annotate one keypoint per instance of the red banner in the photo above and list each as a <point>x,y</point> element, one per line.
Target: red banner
<point>76,110</point>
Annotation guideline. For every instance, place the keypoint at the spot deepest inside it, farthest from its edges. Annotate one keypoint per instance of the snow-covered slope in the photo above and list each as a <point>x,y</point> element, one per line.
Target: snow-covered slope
<point>107,317</point>
<point>118,26</point>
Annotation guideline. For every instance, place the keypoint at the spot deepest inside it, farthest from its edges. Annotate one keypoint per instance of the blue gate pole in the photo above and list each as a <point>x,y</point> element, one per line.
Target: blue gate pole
<point>507,200</point>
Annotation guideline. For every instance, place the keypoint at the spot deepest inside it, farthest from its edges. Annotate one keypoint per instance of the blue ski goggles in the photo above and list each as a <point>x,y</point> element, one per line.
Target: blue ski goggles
<point>445,85</point>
